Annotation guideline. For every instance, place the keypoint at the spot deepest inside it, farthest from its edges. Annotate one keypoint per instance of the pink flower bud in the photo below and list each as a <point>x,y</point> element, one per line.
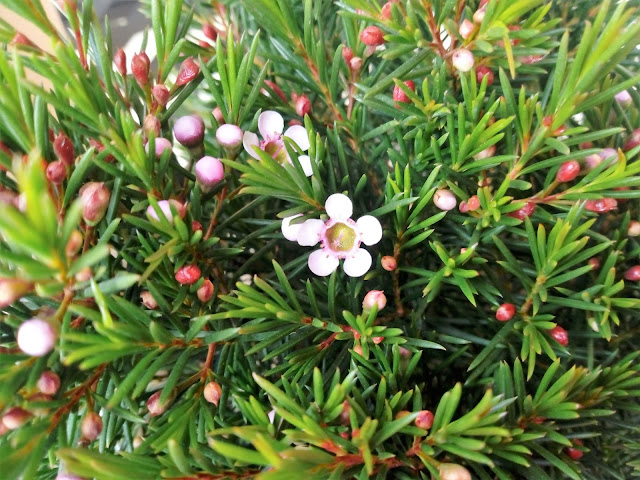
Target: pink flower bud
<point>355,64</point>
<point>49,382</point>
<point>602,205</point>
<point>84,275</point>
<point>210,31</point>
<point>95,198</point>
<point>633,141</point>
<point>444,200</point>
<point>374,297</point>
<point>484,71</point>
<point>205,292</point>
<point>120,60</point>
<point>165,207</point>
<point>389,263</point>
<point>466,29</point>
<point>303,105</point>
<point>217,114</point>
<point>229,136</point>
<point>15,417</point>
<point>36,337</point>
<point>209,172</point>
<point>276,90</point>
<point>377,340</point>
<point>474,203</point>
<point>155,407</point>
<point>560,335</point>
<point>462,60</point>
<point>633,230</point>
<point>151,125</point>
<point>568,171</point>
<point>161,144</point>
<point>160,94</point>
<point>505,312</point>
<point>372,36</point>
<point>63,148</point>
<point>478,16</point>
<point>212,392</point>
<point>73,244</point>
<point>523,212</point>
<point>347,54</point>
<point>358,349</point>
<point>12,289</point>
<point>189,130</point>
<point>453,471</point>
<point>386,10</point>
<point>188,71</point>
<point>56,172</point>
<point>188,275</point>
<point>424,420</point>
<point>624,98</point>
<point>486,153</point>
<point>633,274</point>
<point>148,301</point>
<point>400,96</point>
<point>20,39</point>
<point>463,207</point>
<point>140,68</point>
<point>91,426</point>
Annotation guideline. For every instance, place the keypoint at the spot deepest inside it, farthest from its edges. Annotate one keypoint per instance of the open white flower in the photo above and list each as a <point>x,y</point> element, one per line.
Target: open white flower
<point>271,126</point>
<point>340,237</point>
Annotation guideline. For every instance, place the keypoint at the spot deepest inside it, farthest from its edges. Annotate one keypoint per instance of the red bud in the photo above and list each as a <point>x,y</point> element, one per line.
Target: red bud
<point>49,383</point>
<point>188,71</point>
<point>210,32</point>
<point>560,335</point>
<point>205,292</point>
<point>160,94</point>
<point>276,89</point>
<point>633,274</point>
<point>120,60</point>
<point>484,71</point>
<point>602,205</point>
<point>400,96</point>
<point>347,54</point>
<point>63,148</point>
<point>372,36</point>
<point>188,275</point>
<point>95,198</point>
<point>424,419</point>
<point>303,105</point>
<point>524,212</point>
<point>505,312</point>
<point>56,172</point>
<point>20,39</point>
<point>140,64</point>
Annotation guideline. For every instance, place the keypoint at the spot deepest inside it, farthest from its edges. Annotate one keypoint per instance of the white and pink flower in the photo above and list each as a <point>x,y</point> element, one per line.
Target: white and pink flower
<point>271,126</point>
<point>340,238</point>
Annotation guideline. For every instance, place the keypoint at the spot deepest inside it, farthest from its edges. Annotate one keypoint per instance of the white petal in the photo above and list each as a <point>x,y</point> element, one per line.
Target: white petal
<point>270,123</point>
<point>322,264</point>
<point>338,207</point>
<point>250,141</point>
<point>358,264</point>
<point>370,229</point>
<point>298,134</point>
<point>289,231</point>
<point>305,163</point>
<point>309,232</point>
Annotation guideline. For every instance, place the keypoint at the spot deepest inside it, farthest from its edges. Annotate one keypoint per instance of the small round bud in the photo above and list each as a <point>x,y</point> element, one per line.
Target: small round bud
<point>386,9</point>
<point>148,301</point>
<point>188,71</point>
<point>594,262</point>
<point>633,274</point>
<point>574,453</point>
<point>523,212</point>
<point>140,64</point>
<point>424,419</point>
<point>453,471</point>
<point>36,337</point>
<point>633,230</point>
<point>189,130</point>
<point>210,31</point>
<point>624,98</point>
<point>402,414</point>
<point>151,124</point>
<point>632,141</point>
<point>95,198</point>
<point>229,136</point>
<point>12,289</point>
<point>165,206</point>
<point>84,275</point>
<point>303,105</point>
<point>602,205</point>
<point>463,207</point>
<point>377,340</point>
<point>462,60</point>
<point>466,29</point>
<point>355,64</point>
<point>568,171</point>
<point>478,16</point>
<point>209,172</point>
<point>444,200</point>
<point>188,275</point>
<point>48,383</point>
<point>484,71</point>
<point>161,144</point>
<point>73,244</point>
<point>155,407</point>
<point>374,297</point>
<point>474,203</point>
<point>56,172</point>
<point>160,94</point>
<point>15,417</point>
<point>64,150</point>
<point>358,349</point>
<point>389,263</point>
<point>372,36</point>
<point>560,335</point>
<point>196,226</point>
<point>347,54</point>
<point>217,114</point>
<point>213,392</point>
<point>205,292</point>
<point>91,426</point>
<point>505,312</point>
<point>400,96</point>
<point>120,61</point>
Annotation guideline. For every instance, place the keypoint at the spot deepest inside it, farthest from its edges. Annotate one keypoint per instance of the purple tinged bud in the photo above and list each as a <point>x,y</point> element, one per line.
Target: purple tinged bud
<point>56,172</point>
<point>95,198</point>
<point>229,136</point>
<point>624,98</point>
<point>189,130</point>
<point>49,383</point>
<point>209,172</point>
<point>161,144</point>
<point>36,337</point>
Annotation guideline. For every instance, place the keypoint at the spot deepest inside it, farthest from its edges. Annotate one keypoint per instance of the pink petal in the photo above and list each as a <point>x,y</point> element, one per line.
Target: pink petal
<point>310,231</point>
<point>251,142</point>
<point>305,163</point>
<point>322,264</point>
<point>370,229</point>
<point>358,264</point>
<point>289,231</point>
<point>338,207</point>
<point>298,134</point>
<point>270,123</point>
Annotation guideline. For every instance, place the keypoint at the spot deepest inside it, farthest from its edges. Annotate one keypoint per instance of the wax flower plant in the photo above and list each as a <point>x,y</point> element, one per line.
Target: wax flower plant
<point>321,239</point>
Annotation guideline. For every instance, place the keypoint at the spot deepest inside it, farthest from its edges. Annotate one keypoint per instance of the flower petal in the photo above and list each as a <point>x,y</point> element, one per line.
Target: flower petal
<point>358,264</point>
<point>289,231</point>
<point>309,232</point>
<point>370,229</point>
<point>338,207</point>
<point>250,141</point>
<point>298,134</point>
<point>270,123</point>
<point>322,263</point>
<point>305,163</point>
